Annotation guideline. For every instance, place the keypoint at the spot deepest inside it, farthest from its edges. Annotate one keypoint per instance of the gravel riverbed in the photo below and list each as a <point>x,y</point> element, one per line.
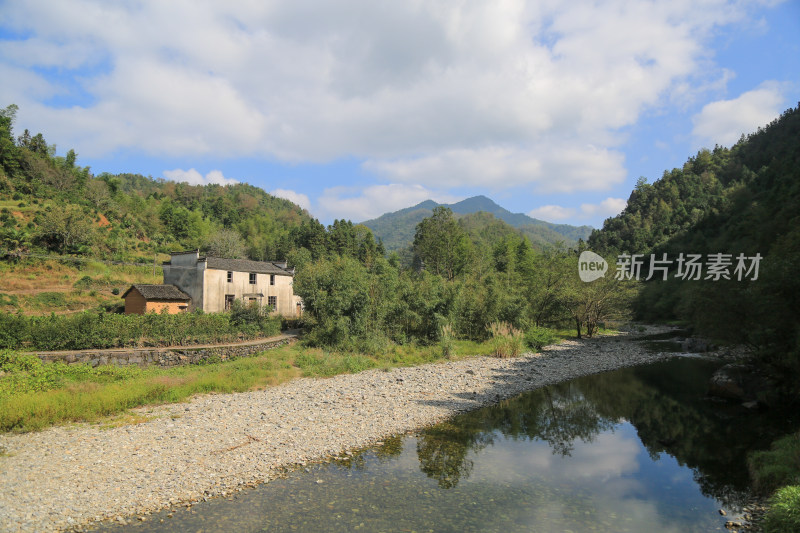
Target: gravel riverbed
<point>66,477</point>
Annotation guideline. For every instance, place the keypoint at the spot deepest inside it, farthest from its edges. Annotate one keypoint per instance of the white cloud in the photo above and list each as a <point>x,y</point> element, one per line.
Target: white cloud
<point>193,177</point>
<point>588,212</point>
<point>373,201</point>
<point>295,197</point>
<point>550,168</point>
<point>552,213</point>
<point>723,122</point>
<point>607,208</point>
<point>499,94</point>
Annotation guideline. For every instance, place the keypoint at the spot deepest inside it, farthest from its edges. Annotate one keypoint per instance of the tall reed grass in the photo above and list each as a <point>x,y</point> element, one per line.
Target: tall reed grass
<point>506,341</point>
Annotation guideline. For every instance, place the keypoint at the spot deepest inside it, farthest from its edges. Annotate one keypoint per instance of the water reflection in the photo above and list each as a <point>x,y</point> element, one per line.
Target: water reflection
<point>665,402</point>
<point>632,450</point>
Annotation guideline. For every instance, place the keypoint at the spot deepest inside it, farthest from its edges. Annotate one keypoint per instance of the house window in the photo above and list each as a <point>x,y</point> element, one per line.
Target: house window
<point>228,301</point>
<point>272,279</point>
<point>252,278</point>
<point>272,302</point>
<point>230,277</point>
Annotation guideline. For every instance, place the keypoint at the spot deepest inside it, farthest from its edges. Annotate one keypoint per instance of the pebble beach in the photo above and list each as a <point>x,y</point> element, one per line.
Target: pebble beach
<point>65,478</point>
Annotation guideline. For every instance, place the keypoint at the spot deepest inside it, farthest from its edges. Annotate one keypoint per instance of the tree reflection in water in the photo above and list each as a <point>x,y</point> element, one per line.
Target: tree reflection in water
<point>665,402</point>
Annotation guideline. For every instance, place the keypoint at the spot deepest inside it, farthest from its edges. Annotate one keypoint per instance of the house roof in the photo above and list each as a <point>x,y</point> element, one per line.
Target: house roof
<point>159,292</point>
<point>245,265</point>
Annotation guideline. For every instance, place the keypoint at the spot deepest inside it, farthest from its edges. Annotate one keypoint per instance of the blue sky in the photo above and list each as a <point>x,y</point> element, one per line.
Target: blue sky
<point>352,108</point>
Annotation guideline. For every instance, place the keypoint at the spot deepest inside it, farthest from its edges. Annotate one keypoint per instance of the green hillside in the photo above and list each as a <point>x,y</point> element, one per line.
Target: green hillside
<point>51,205</point>
<point>396,229</point>
<point>742,200</point>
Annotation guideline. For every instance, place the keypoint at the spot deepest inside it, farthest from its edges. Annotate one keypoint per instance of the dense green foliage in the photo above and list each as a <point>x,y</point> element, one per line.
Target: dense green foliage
<point>464,283</point>
<point>24,373</point>
<point>742,200</point>
<point>441,245</point>
<point>107,330</point>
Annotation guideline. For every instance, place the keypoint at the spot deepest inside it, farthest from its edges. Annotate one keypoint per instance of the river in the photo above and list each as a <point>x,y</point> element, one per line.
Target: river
<point>637,449</point>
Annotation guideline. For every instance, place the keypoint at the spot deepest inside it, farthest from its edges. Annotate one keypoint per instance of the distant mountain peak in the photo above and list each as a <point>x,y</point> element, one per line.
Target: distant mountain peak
<point>397,229</point>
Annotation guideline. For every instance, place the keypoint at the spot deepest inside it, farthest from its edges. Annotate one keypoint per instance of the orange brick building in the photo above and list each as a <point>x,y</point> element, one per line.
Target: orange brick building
<point>140,299</point>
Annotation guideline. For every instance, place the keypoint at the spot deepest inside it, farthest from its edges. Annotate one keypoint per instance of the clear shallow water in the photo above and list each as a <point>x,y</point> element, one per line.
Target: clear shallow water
<point>638,449</point>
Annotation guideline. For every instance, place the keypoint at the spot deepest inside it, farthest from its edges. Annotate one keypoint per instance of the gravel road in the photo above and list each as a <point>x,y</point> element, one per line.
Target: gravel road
<point>66,477</point>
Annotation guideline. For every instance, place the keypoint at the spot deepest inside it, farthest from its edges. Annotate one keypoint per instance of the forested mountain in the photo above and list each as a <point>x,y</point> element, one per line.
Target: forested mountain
<point>396,229</point>
<point>50,204</point>
<point>742,200</point>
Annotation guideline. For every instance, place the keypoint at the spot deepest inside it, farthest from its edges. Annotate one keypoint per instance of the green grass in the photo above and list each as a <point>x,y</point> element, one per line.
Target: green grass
<point>34,396</point>
<point>777,471</point>
<point>778,466</point>
<point>783,515</point>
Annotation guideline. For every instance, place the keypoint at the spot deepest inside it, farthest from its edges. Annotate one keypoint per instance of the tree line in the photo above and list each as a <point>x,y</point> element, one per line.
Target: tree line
<point>459,283</point>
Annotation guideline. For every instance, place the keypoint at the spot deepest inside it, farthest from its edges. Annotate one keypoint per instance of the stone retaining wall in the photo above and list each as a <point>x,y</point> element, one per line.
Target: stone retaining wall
<point>174,356</point>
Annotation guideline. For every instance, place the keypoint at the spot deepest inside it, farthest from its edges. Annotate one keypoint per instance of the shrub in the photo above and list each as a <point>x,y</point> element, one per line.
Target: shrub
<point>115,291</point>
<point>783,515</point>
<point>26,373</point>
<point>252,319</point>
<point>537,337</point>
<point>50,299</point>
<point>84,283</point>
<point>506,340</point>
<point>9,299</point>
<point>88,330</point>
<point>372,344</point>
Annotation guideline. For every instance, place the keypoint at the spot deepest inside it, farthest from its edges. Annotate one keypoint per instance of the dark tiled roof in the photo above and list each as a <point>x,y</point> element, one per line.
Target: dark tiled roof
<point>159,292</point>
<point>245,265</point>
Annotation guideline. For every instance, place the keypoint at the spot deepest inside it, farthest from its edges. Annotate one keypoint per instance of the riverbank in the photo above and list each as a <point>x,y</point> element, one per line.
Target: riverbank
<point>66,477</point>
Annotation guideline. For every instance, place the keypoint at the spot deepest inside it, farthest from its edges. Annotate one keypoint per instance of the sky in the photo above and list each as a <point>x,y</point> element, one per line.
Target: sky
<point>354,108</point>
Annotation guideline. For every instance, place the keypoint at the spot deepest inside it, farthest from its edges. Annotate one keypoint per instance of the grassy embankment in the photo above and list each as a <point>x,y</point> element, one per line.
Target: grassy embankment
<point>35,395</point>
<point>777,472</point>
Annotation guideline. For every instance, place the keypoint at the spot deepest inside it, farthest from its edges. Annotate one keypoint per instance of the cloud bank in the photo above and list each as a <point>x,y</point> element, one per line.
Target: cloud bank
<point>723,122</point>
<point>497,94</point>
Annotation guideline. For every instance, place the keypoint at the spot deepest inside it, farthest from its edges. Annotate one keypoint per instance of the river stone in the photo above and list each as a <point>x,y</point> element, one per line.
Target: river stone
<point>744,384</point>
<point>727,382</point>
